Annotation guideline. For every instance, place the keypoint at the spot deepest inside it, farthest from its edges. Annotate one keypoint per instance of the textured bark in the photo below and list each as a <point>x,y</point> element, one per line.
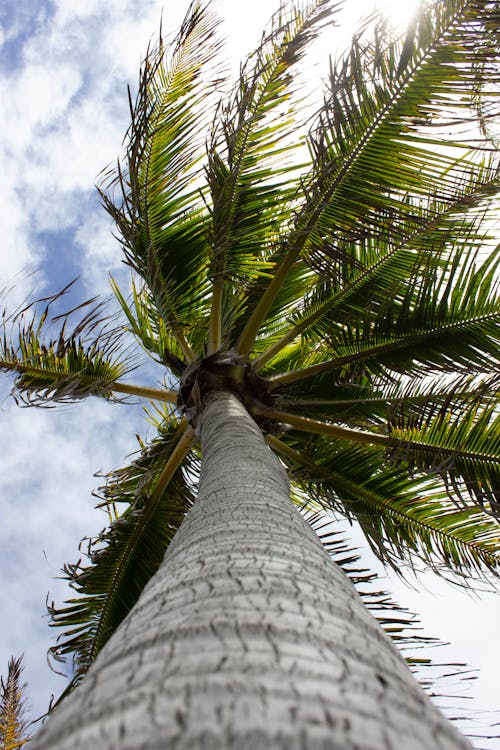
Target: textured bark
<point>249,636</point>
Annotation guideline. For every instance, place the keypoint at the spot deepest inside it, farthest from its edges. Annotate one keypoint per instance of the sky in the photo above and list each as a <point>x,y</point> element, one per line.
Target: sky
<point>64,69</point>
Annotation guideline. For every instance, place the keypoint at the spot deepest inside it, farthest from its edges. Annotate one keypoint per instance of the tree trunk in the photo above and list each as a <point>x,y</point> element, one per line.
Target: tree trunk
<point>248,636</point>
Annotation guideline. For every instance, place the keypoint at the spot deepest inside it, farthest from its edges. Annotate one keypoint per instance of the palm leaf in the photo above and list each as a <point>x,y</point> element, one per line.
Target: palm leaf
<point>357,285</point>
<point>444,319</point>
<point>402,517</point>
<point>57,366</point>
<point>161,217</point>
<point>384,139</point>
<point>375,401</point>
<point>249,174</point>
<point>374,161</point>
<point>150,330</point>
<point>463,448</point>
<point>125,555</point>
<point>462,444</point>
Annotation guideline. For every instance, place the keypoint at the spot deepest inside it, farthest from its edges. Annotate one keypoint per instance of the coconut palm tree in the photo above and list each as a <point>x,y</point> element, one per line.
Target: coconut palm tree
<point>322,294</point>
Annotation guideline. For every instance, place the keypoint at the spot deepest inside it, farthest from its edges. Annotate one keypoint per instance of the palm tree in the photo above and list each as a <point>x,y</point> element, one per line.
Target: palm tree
<point>13,726</point>
<point>322,296</point>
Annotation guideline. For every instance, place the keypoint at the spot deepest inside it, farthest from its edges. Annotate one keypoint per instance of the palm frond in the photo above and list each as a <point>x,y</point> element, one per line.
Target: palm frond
<point>13,725</point>
<point>249,174</point>
<point>359,281</point>
<point>155,492</point>
<point>161,217</point>
<point>54,365</point>
<point>445,318</point>
<point>381,151</point>
<point>375,401</point>
<point>149,329</point>
<point>289,421</point>
<point>391,131</point>
<point>403,517</point>
<point>462,447</point>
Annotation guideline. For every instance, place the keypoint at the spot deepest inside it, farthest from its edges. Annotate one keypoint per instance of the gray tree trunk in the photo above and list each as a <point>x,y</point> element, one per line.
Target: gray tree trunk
<point>248,636</point>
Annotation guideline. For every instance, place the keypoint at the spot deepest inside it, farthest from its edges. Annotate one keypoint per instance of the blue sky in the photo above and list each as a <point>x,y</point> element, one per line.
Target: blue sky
<point>64,68</point>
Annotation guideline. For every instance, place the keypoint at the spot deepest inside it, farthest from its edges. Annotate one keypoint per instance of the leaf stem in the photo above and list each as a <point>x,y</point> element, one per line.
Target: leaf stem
<point>249,333</point>
<point>155,394</point>
<point>183,343</point>
<point>323,428</point>
<point>215,325</point>
<point>175,460</point>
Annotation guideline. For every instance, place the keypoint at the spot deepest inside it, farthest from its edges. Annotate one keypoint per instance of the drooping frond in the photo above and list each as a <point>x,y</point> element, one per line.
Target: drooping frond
<point>403,518</point>
<point>460,441</point>
<point>60,365</point>
<point>156,494</point>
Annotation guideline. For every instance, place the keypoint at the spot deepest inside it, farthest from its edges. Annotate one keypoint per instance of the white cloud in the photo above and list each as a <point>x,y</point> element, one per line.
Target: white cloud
<point>103,254</point>
<point>64,114</point>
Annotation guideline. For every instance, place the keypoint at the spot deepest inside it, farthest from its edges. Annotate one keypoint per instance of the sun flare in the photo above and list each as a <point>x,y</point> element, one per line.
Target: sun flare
<point>400,12</point>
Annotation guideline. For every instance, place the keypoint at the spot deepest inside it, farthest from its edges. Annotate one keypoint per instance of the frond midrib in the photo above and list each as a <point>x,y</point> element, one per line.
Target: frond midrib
<point>372,498</point>
<point>401,342</point>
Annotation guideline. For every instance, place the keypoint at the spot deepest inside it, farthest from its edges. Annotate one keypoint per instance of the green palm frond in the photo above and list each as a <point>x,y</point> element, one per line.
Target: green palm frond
<point>150,330</point>
<point>248,171</point>
<point>402,517</point>
<point>161,217</point>
<point>391,130</point>
<point>381,147</point>
<point>462,447</point>
<point>376,401</point>
<point>446,318</point>
<point>460,444</point>
<point>59,366</point>
<point>122,559</point>
<point>377,270</point>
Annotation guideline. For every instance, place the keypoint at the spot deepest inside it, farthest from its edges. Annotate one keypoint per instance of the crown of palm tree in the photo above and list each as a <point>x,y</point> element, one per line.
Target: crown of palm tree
<point>341,278</point>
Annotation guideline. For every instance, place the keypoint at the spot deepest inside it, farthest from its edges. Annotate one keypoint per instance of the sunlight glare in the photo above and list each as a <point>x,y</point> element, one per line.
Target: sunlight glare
<point>399,12</point>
